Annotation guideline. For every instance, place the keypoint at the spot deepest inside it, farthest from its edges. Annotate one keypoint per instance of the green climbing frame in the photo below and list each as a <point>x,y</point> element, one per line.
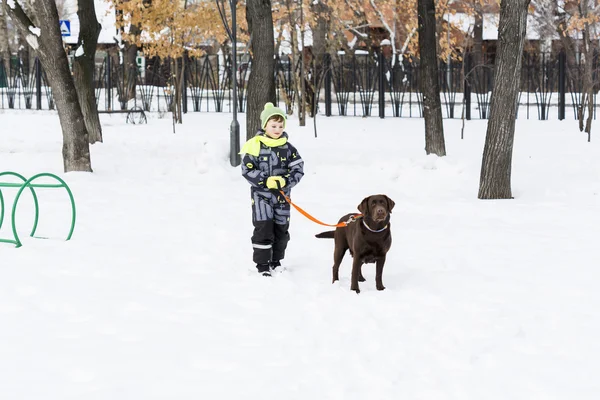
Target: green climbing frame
<point>28,184</point>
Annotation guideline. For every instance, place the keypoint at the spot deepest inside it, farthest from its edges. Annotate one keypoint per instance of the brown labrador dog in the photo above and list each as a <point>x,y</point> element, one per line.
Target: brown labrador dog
<point>368,238</point>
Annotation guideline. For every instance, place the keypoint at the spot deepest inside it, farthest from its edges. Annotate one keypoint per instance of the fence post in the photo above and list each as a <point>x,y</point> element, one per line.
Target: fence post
<point>108,91</point>
<point>381,84</point>
<point>467,87</point>
<point>38,83</point>
<point>327,86</point>
<point>562,61</point>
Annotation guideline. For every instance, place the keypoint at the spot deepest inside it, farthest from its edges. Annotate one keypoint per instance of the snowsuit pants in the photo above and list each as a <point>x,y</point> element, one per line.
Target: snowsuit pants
<point>271,220</point>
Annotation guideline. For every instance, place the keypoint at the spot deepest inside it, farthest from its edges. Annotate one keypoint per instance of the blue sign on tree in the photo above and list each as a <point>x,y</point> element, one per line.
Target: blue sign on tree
<point>65,27</point>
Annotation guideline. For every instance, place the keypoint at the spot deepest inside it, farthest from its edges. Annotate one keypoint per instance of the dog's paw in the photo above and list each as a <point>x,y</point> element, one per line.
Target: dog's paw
<point>381,287</point>
<point>356,289</point>
<point>361,279</point>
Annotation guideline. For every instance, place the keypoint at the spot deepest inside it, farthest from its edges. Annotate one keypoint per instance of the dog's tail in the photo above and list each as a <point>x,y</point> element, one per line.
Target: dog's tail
<point>325,235</point>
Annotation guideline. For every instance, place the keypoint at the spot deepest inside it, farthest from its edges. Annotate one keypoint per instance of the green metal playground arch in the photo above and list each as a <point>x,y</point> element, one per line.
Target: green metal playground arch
<point>28,183</point>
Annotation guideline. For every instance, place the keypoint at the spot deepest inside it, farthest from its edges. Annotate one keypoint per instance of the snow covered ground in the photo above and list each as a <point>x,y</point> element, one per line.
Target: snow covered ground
<point>156,296</point>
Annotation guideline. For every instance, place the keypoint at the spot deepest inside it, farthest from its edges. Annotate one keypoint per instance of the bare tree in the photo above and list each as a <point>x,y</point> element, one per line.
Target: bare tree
<point>390,27</point>
<point>22,47</point>
<point>46,39</point>
<point>320,28</point>
<point>261,83</point>
<point>131,68</point>
<point>429,83</point>
<point>577,24</point>
<point>83,67</point>
<point>321,45</point>
<point>545,16</point>
<point>130,49</point>
<point>478,33</point>
<point>497,154</point>
<point>586,21</point>
<point>4,44</point>
<point>295,20</point>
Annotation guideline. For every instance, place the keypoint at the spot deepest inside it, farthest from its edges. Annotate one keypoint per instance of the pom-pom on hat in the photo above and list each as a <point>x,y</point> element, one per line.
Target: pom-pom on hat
<point>270,111</point>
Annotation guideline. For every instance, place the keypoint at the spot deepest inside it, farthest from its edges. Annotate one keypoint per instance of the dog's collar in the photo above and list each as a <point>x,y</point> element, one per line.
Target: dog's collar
<point>374,230</point>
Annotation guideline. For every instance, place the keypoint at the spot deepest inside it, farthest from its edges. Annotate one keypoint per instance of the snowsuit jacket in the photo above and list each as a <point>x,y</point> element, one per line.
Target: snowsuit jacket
<point>282,161</point>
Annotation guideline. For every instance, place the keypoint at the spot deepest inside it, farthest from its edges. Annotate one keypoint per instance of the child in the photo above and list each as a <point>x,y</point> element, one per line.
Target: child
<point>270,163</point>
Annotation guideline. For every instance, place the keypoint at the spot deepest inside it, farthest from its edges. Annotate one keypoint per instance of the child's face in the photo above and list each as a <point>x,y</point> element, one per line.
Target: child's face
<point>274,129</point>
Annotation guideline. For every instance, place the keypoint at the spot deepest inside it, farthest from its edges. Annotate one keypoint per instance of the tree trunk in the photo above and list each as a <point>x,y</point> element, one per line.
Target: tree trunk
<point>4,45</point>
<point>178,71</point>
<point>478,73</point>
<point>319,10</point>
<point>319,49</point>
<point>588,79</point>
<point>131,68</point>
<point>302,90</point>
<point>76,149</point>
<point>83,67</point>
<point>587,97</point>
<point>22,54</point>
<point>497,154</point>
<point>261,83</point>
<point>429,82</point>
<point>296,57</point>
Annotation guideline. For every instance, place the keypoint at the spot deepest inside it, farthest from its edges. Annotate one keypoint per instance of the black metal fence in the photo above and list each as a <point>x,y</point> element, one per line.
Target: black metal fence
<point>358,84</point>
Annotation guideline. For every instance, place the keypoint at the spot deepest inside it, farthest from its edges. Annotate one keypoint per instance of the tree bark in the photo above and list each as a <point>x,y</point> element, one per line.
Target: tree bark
<point>177,76</point>
<point>261,83</point>
<point>23,55</point>
<point>320,47</point>
<point>76,149</point>
<point>429,82</point>
<point>497,154</point>
<point>83,67</point>
<point>131,50</point>
<point>587,98</point>
<point>4,44</point>
<point>321,28</point>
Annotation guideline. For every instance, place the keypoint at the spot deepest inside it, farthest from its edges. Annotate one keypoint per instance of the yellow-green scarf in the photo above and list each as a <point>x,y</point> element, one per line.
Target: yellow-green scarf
<point>252,146</point>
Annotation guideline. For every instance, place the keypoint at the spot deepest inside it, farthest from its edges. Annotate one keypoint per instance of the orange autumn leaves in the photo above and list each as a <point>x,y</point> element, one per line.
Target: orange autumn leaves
<point>170,27</point>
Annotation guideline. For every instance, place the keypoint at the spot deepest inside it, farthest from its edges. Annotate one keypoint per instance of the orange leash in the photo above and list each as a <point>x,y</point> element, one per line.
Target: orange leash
<point>307,215</point>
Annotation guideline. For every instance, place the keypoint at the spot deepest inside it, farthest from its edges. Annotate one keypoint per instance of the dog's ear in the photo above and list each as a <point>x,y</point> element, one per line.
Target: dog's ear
<point>391,204</point>
<point>363,207</point>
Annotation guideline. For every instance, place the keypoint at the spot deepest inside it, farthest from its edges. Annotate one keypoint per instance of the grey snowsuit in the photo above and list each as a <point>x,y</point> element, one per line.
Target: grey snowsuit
<point>270,210</point>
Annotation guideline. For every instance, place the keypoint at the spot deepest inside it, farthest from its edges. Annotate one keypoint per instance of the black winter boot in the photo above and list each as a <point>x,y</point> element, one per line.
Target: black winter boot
<point>274,265</point>
<point>263,269</point>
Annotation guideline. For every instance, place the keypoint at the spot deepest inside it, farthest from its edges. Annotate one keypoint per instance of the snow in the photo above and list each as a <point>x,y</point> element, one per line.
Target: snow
<point>156,296</point>
<point>80,51</point>
<point>35,31</point>
<point>32,40</point>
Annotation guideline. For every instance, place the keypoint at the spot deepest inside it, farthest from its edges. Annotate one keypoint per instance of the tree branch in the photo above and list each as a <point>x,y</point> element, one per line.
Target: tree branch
<point>223,15</point>
<point>18,14</point>
<point>386,25</point>
<point>407,41</point>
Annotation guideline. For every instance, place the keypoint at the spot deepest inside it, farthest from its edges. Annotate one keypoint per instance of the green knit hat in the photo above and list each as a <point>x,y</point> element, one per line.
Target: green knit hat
<point>270,111</point>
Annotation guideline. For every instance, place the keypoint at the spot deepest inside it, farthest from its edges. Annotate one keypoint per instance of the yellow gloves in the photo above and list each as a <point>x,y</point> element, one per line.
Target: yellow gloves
<point>274,181</point>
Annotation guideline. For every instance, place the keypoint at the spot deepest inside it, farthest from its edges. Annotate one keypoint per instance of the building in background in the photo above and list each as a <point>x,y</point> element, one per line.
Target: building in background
<point>105,13</point>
